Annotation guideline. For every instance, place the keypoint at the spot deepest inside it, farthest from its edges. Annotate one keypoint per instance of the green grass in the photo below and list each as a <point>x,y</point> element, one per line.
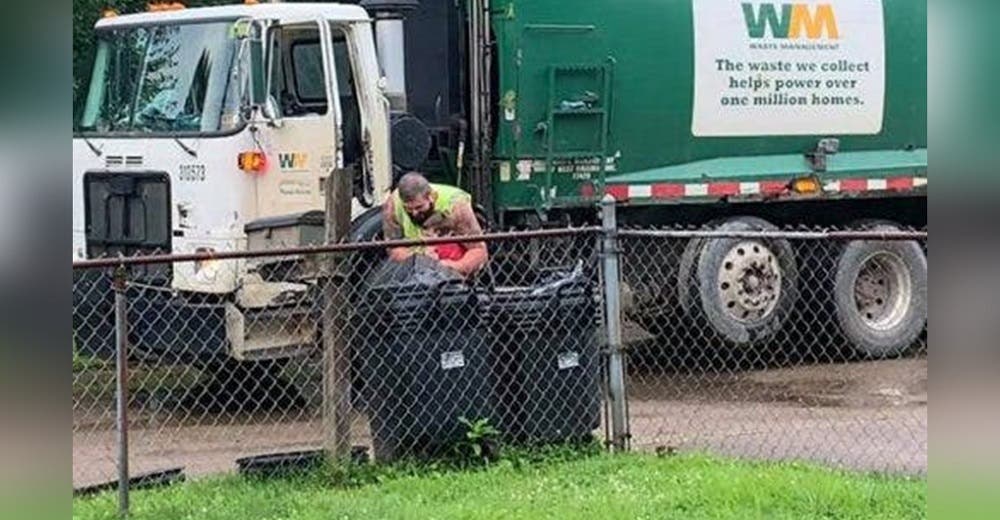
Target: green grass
<point>602,486</point>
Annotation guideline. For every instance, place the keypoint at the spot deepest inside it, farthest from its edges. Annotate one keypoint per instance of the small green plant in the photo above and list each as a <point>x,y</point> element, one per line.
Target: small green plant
<point>78,363</point>
<point>480,442</point>
<point>551,453</point>
<point>82,362</point>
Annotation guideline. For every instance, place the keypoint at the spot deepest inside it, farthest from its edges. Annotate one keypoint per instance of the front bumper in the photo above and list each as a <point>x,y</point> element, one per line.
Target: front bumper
<point>167,324</point>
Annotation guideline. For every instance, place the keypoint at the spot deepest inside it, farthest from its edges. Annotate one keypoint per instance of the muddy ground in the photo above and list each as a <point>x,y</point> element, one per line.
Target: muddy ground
<point>864,415</point>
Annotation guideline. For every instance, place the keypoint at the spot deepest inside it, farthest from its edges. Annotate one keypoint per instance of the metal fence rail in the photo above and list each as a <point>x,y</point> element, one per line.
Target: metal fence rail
<point>738,340</point>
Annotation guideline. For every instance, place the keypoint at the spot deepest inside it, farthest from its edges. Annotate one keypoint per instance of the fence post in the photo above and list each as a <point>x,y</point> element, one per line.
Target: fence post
<point>121,383</point>
<point>613,323</point>
<point>336,359</point>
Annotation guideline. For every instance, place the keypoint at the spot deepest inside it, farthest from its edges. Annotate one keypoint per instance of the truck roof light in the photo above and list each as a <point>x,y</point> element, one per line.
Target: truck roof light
<point>109,13</point>
<point>165,6</point>
<point>252,162</point>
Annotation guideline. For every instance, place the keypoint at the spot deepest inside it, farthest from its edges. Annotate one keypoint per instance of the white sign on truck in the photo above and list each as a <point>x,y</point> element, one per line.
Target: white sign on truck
<point>804,67</point>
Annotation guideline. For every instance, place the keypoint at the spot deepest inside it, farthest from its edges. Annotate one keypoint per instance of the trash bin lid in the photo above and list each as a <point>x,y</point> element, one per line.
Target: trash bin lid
<point>416,271</point>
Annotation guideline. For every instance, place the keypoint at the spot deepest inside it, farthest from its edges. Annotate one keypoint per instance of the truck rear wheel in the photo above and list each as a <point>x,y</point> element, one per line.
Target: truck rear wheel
<point>880,294</point>
<point>746,289</point>
<point>687,292</point>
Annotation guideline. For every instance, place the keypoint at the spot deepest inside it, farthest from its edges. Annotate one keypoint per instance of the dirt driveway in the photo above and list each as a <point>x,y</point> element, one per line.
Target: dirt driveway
<point>864,416</point>
<point>867,416</point>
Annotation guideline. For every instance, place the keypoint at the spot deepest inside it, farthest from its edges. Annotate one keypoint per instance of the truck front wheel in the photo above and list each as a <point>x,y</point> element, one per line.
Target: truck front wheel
<point>746,288</point>
<point>880,294</point>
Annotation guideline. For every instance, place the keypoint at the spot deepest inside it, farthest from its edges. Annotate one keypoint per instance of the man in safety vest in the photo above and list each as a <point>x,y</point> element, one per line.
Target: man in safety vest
<point>420,209</point>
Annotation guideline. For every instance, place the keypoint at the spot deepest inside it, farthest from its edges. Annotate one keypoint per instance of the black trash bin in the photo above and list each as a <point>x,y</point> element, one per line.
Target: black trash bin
<point>548,385</point>
<point>425,364</point>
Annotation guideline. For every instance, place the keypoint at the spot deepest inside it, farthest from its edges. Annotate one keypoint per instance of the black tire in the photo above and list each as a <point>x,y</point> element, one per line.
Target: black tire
<point>718,315</point>
<point>366,228</point>
<point>900,266</point>
<point>93,314</point>
<point>647,268</point>
<point>687,290</point>
<point>245,387</point>
<point>687,269</point>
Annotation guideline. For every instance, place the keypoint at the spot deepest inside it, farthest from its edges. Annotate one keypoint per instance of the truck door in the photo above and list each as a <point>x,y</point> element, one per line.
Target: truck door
<point>303,148</point>
<point>365,113</point>
<point>353,157</point>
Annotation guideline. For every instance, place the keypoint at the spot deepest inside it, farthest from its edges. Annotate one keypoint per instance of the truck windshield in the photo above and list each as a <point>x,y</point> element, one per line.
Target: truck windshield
<point>164,79</point>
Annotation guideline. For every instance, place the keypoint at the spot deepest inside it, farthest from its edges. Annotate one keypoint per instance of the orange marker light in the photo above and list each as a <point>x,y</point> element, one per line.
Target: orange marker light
<point>806,185</point>
<point>252,162</point>
<point>165,6</point>
<point>109,13</point>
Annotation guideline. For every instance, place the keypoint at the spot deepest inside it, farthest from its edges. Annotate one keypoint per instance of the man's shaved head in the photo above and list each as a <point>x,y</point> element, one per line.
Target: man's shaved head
<point>412,186</point>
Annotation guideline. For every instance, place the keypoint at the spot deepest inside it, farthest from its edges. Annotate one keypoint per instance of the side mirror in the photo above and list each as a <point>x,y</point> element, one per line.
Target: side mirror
<point>272,112</point>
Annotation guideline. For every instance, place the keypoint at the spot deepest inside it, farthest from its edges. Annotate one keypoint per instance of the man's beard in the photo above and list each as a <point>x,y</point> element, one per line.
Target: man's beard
<point>420,218</point>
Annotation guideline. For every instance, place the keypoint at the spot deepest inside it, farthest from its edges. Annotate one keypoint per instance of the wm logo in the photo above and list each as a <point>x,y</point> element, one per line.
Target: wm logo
<point>292,161</point>
<point>792,22</point>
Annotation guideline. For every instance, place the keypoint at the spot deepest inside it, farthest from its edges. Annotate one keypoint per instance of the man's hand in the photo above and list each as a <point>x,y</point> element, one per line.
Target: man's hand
<point>476,254</point>
<point>400,254</point>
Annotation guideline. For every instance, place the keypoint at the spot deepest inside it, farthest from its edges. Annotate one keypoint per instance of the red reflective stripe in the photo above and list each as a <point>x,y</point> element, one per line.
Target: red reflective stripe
<point>668,191</point>
<point>854,185</point>
<point>718,189</point>
<point>725,189</point>
<point>618,191</point>
<point>900,183</point>
<point>773,186</point>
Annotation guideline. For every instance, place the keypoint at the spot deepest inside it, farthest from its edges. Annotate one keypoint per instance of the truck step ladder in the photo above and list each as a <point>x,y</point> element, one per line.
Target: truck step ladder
<point>585,123</point>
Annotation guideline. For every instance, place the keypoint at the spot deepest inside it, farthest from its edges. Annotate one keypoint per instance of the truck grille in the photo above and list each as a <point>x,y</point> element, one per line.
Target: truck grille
<point>127,161</point>
<point>128,214</point>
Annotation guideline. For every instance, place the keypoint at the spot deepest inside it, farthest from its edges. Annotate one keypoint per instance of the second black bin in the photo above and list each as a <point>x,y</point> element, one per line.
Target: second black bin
<point>548,361</point>
<point>426,365</point>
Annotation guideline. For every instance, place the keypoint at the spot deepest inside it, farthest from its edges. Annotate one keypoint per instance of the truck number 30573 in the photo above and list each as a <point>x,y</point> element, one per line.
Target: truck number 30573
<point>191,172</point>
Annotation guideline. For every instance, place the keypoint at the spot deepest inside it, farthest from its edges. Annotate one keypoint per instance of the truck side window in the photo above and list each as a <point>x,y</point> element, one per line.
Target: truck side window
<point>297,75</point>
<point>307,67</point>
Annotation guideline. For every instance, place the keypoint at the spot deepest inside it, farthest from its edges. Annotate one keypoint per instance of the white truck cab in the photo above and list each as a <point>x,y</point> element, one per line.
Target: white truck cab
<point>203,127</point>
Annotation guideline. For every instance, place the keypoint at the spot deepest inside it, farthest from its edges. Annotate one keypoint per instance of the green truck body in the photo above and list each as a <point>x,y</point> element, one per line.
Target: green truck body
<point>596,96</point>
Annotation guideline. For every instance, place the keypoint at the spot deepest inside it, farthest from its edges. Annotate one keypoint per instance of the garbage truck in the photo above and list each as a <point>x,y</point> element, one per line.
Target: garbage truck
<point>217,129</point>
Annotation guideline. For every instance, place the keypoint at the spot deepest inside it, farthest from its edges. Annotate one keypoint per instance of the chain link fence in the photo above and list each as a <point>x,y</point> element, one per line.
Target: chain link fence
<point>777,345</point>
<point>740,339</point>
<point>420,355</point>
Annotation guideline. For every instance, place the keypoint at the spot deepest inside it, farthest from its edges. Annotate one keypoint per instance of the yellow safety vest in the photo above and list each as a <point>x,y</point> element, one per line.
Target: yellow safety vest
<point>447,196</point>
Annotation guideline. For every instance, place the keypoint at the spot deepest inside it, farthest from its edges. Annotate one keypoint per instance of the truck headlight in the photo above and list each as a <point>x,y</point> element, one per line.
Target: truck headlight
<point>205,271</point>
